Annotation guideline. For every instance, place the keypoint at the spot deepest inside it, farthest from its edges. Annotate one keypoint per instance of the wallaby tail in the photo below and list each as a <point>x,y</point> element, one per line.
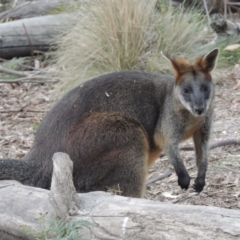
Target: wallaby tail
<point>20,170</point>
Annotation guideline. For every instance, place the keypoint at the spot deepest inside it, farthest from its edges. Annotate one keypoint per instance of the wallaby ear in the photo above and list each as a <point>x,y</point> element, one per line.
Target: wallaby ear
<point>208,62</point>
<point>180,66</point>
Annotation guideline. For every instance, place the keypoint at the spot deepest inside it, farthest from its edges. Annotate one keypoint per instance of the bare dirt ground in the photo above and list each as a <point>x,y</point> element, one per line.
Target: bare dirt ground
<point>22,107</point>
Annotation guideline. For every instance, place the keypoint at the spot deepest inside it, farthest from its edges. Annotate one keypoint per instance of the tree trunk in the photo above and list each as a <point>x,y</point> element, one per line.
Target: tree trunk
<point>110,216</point>
<point>22,37</point>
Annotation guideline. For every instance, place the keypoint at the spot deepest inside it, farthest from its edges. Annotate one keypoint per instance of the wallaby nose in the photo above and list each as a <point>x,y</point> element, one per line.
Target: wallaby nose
<point>199,110</point>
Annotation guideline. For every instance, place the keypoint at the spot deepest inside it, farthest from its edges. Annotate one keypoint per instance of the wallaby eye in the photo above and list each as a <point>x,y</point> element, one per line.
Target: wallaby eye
<point>204,88</point>
<point>186,90</point>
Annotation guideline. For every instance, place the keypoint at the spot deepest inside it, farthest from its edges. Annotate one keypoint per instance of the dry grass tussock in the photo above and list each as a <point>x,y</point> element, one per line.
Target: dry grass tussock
<point>113,35</point>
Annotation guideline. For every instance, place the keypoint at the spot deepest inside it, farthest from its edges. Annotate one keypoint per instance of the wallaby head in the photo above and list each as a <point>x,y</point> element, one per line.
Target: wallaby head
<point>194,89</point>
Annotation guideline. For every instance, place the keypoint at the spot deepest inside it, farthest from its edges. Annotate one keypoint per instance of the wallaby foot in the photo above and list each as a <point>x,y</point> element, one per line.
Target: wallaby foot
<point>184,180</point>
<point>128,179</point>
<point>199,184</point>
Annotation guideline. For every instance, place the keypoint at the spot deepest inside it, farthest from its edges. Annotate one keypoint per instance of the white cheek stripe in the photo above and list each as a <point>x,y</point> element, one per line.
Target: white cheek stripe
<point>187,105</point>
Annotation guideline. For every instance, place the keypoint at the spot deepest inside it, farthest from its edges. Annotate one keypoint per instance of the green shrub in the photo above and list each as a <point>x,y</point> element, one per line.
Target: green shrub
<point>62,230</point>
<point>114,35</point>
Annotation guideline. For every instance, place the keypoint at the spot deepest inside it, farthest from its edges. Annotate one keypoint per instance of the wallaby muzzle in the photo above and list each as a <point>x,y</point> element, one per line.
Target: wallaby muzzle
<point>199,105</point>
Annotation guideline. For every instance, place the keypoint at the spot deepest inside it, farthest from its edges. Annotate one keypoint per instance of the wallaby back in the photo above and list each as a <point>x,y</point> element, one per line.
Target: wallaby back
<point>115,125</point>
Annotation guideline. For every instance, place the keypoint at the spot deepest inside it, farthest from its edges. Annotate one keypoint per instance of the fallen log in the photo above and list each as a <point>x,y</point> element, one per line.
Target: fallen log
<point>33,8</point>
<point>109,216</point>
<point>22,37</point>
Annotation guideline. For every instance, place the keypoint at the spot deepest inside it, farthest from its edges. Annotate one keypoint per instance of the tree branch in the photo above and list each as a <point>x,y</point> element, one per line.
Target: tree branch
<point>216,144</point>
<point>13,72</point>
<point>168,173</point>
<point>31,79</point>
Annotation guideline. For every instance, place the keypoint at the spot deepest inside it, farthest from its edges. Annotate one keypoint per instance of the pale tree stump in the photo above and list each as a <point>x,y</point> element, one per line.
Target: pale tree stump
<point>63,195</point>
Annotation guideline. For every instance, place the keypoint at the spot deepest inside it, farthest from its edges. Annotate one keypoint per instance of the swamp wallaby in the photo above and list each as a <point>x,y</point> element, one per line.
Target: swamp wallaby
<point>114,126</point>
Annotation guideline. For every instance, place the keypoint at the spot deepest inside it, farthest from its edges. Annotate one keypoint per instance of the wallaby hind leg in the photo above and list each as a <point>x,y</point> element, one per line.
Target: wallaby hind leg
<point>129,176</point>
<point>113,152</point>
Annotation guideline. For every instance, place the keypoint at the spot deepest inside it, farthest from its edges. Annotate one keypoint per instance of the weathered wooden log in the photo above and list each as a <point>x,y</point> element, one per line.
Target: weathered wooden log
<point>22,37</point>
<point>33,8</point>
<point>110,216</point>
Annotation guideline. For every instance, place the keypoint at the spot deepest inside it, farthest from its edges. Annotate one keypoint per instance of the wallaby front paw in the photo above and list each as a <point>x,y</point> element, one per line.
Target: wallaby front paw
<point>184,181</point>
<point>199,184</point>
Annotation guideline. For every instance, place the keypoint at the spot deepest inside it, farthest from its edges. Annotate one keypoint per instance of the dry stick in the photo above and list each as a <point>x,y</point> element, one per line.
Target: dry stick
<point>29,40</point>
<point>13,6</point>
<point>212,146</point>
<point>27,77</point>
<point>207,12</point>
<point>13,72</point>
<point>31,79</point>
<point>168,173</point>
<point>227,168</point>
<point>225,8</point>
<point>21,73</point>
<point>232,3</point>
<point>27,66</point>
<point>185,197</point>
<point>21,110</point>
<point>19,64</point>
<point>216,144</point>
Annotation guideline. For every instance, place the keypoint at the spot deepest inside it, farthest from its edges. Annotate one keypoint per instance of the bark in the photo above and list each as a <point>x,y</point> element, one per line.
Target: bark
<point>110,216</point>
<point>22,37</point>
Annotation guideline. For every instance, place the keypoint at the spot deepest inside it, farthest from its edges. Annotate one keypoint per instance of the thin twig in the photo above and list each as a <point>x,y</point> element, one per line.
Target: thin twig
<point>232,3</point>
<point>13,6</point>
<point>31,80</point>
<point>18,110</point>
<point>29,40</point>
<point>21,110</point>
<point>27,66</point>
<point>224,143</point>
<point>211,146</point>
<point>26,76</point>
<point>226,168</point>
<point>207,13</point>
<point>186,197</point>
<point>216,144</point>
<point>13,72</point>
<point>168,173</point>
<point>225,8</point>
